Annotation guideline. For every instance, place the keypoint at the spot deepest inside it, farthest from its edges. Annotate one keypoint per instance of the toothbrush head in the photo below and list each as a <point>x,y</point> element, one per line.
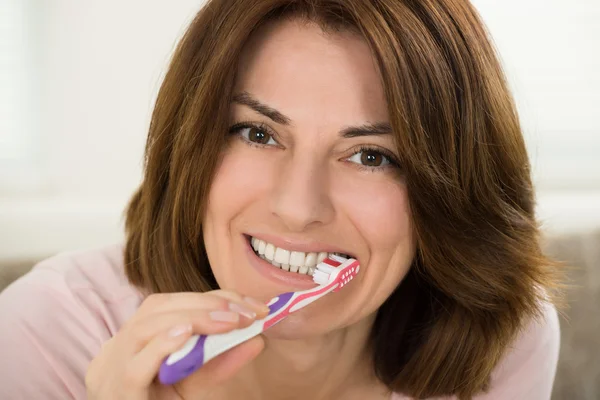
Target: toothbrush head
<point>336,269</point>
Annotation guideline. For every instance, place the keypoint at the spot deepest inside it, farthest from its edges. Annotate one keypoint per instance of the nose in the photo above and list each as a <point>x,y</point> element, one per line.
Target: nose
<point>300,195</point>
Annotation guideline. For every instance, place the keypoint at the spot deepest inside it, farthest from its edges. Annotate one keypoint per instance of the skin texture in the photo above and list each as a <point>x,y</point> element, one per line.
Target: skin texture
<point>309,184</point>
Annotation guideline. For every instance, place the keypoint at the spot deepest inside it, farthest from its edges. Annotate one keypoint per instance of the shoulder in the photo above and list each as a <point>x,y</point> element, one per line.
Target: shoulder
<point>57,316</point>
<point>86,281</point>
<point>95,272</point>
<point>528,369</point>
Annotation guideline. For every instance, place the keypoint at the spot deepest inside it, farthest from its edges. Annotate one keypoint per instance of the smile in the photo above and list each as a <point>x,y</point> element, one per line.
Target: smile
<point>300,262</point>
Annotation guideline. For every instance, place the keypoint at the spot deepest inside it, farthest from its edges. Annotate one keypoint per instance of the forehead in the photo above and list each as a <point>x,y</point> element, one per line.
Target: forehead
<point>297,68</point>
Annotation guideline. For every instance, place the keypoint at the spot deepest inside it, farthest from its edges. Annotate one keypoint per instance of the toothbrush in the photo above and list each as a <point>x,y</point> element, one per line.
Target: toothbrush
<point>331,274</point>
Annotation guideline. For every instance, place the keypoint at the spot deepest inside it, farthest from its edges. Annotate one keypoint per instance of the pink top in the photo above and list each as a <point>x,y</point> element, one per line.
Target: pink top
<point>55,319</point>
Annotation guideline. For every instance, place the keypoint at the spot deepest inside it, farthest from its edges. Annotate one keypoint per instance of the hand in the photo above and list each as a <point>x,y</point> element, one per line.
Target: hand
<point>128,363</point>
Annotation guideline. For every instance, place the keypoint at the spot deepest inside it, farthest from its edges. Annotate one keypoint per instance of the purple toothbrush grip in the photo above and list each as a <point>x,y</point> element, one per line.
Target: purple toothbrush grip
<point>170,374</point>
<point>281,301</point>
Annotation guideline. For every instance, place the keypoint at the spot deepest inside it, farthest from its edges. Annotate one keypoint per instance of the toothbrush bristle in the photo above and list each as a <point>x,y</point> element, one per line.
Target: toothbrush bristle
<point>337,258</point>
<point>320,277</point>
<point>328,269</point>
<point>324,270</point>
<point>331,266</point>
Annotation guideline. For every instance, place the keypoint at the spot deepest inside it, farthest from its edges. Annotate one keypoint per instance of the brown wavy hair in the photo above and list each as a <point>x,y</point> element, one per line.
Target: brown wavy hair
<point>479,274</point>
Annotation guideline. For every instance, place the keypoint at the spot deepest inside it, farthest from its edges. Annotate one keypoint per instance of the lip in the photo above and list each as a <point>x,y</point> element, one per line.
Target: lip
<point>297,245</point>
<point>276,275</point>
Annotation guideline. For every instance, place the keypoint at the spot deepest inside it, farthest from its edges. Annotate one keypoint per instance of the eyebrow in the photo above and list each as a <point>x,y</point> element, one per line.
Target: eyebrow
<point>367,129</point>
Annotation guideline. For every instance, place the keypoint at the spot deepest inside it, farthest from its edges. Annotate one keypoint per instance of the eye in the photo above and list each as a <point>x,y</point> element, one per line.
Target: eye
<point>256,135</point>
<point>371,158</point>
<point>253,134</point>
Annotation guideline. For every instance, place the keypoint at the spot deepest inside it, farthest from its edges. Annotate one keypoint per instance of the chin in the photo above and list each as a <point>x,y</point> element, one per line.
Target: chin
<point>301,327</point>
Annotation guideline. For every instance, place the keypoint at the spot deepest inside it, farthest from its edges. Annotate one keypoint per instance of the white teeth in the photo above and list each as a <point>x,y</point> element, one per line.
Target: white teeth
<point>292,261</point>
<point>322,255</point>
<point>297,258</point>
<point>261,246</point>
<point>270,251</point>
<point>311,259</point>
<point>282,256</point>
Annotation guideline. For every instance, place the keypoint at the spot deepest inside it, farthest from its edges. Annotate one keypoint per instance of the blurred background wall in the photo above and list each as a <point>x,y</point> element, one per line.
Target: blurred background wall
<point>78,79</point>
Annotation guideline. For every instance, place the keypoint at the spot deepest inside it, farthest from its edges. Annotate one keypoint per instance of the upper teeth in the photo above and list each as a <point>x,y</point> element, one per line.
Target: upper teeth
<point>293,261</point>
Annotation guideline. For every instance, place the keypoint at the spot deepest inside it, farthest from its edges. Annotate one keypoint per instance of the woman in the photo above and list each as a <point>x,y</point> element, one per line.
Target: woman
<point>380,129</point>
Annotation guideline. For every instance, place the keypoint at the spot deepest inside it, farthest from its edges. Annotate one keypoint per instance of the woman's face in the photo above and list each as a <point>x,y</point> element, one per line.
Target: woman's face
<point>301,183</point>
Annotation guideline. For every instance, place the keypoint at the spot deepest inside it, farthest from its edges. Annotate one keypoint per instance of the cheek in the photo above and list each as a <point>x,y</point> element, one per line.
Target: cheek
<point>380,212</point>
<point>240,178</point>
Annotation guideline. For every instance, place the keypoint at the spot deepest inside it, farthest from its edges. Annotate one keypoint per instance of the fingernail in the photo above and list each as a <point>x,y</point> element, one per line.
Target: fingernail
<point>224,316</point>
<point>256,303</point>
<point>179,330</point>
<point>242,310</point>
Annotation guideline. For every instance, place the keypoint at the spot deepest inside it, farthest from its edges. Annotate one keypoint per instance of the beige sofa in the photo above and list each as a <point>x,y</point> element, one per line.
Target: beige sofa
<point>578,376</point>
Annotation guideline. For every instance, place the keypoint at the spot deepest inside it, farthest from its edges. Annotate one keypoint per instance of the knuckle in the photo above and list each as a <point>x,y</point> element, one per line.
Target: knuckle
<point>136,337</point>
<point>131,337</point>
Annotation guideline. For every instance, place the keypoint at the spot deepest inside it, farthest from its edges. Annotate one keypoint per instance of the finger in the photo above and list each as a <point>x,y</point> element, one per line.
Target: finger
<point>215,300</point>
<point>258,306</point>
<point>144,366</point>
<point>191,300</point>
<point>206,322</point>
<point>160,302</point>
